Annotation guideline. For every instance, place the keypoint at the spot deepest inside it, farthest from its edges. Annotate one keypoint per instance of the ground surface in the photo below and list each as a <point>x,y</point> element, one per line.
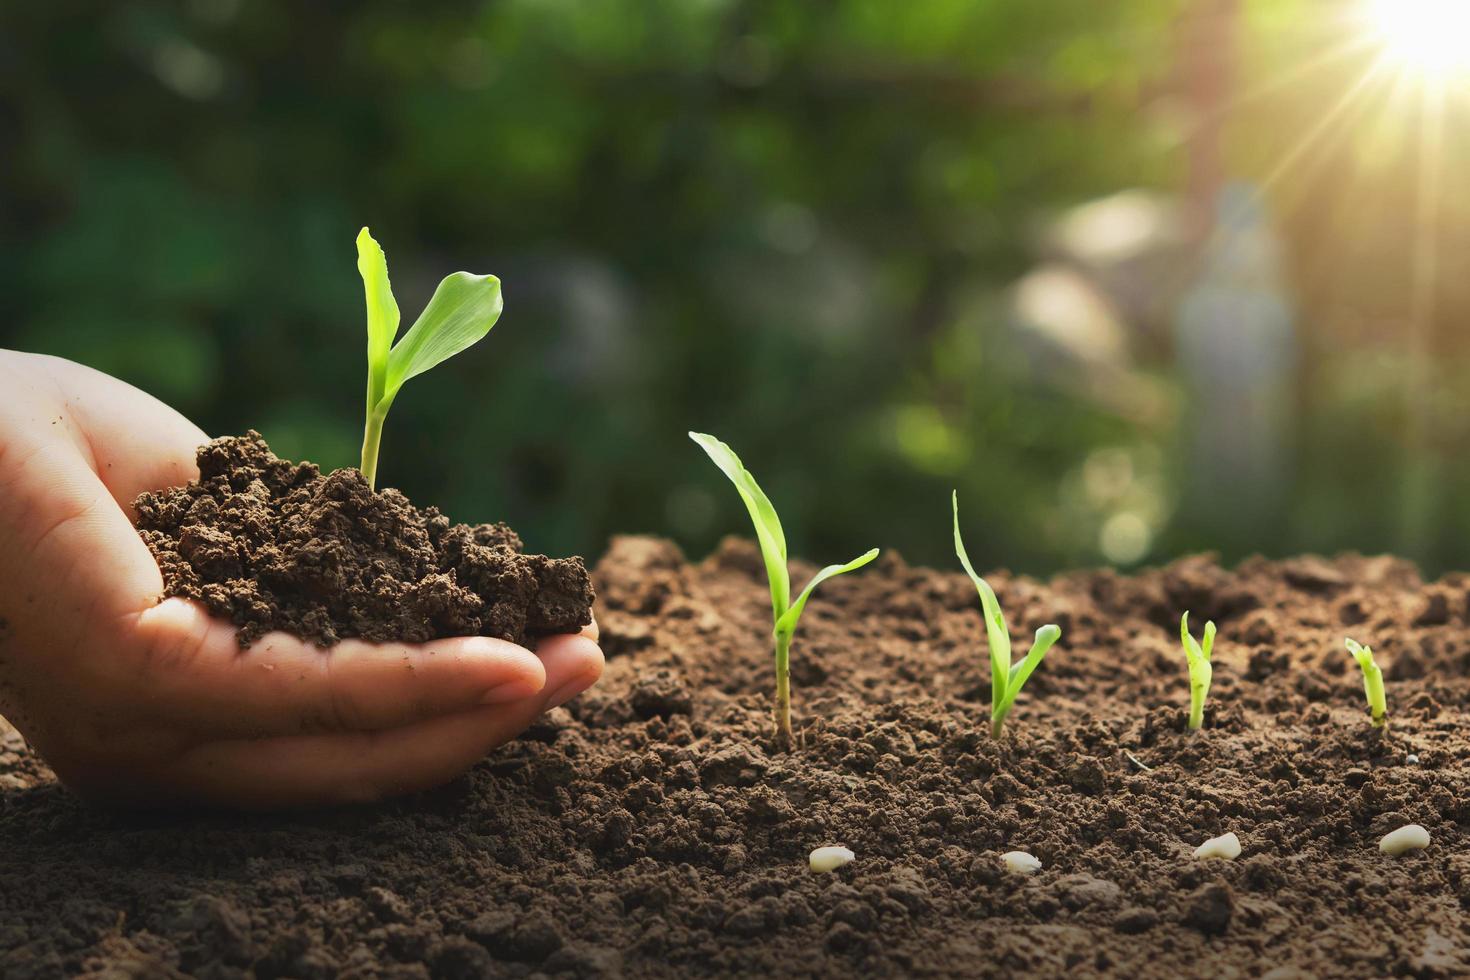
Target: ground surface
<point>648,830</point>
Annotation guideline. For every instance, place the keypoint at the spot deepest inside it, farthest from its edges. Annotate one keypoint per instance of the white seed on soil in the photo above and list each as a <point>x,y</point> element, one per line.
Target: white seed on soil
<point>1020,862</point>
<point>1411,759</point>
<point>1410,838</point>
<point>1226,846</point>
<point>830,858</point>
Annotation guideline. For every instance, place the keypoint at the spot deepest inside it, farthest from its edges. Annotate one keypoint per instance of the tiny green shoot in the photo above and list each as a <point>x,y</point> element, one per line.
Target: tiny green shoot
<point>1006,680</point>
<point>1200,672</point>
<point>462,310</point>
<point>784,612</point>
<point>1372,681</point>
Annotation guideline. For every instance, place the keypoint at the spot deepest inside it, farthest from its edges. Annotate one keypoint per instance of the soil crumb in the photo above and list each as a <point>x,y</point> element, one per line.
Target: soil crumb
<point>275,545</point>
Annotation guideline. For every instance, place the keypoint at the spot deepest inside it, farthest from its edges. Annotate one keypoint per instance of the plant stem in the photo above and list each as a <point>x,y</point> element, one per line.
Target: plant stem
<point>783,689</point>
<point>1373,687</point>
<point>372,437</point>
<point>998,721</point>
<point>1196,705</point>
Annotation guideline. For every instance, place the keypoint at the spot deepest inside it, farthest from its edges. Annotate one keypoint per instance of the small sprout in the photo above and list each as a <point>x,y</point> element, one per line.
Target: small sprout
<point>830,858</point>
<point>1020,862</point>
<point>1225,847</point>
<point>1200,671</point>
<point>461,311</point>
<point>1410,838</point>
<point>1372,681</point>
<point>772,539</point>
<point>1006,681</point>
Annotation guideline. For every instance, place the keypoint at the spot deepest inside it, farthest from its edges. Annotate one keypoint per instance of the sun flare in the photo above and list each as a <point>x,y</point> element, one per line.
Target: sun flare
<point>1427,37</point>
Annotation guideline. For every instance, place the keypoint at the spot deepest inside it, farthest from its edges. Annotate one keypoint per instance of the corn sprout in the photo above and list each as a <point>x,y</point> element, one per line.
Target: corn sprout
<point>772,539</point>
<point>1372,681</point>
<point>461,311</point>
<point>1200,672</point>
<point>1006,680</point>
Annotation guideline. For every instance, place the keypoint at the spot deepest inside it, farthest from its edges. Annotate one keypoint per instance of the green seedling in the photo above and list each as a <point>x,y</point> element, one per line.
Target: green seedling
<point>784,612</point>
<point>1006,680</point>
<point>461,311</point>
<point>1372,681</point>
<point>1200,672</point>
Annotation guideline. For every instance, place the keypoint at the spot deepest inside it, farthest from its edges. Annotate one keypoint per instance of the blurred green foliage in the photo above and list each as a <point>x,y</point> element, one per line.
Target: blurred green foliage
<point>793,224</point>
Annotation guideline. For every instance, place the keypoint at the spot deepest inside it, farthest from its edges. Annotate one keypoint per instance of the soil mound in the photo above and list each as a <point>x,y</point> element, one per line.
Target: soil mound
<point>275,545</point>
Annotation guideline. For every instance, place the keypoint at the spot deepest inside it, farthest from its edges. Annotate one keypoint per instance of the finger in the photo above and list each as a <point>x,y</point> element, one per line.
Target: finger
<point>591,631</point>
<point>572,663</point>
<point>133,441</point>
<point>72,553</point>
<point>362,766</point>
<point>199,678</point>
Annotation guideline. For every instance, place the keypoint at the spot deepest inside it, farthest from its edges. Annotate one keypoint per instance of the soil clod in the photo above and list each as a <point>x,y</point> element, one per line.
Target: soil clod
<point>274,545</point>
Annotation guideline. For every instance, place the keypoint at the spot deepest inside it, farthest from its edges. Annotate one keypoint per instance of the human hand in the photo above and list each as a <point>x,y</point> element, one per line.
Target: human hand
<point>135,701</point>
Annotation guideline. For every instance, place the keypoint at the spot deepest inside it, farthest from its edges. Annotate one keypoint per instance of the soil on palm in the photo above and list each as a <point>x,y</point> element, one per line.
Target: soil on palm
<point>648,829</point>
<point>274,545</point>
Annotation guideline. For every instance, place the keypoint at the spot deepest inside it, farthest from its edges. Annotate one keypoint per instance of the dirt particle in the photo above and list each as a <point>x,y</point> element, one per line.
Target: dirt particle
<point>1088,776</point>
<point>1084,891</point>
<point>1265,662</point>
<point>1209,908</point>
<point>585,960</point>
<point>461,959</point>
<point>1312,574</point>
<point>387,906</point>
<point>1435,610</point>
<point>532,940</point>
<point>1135,919</point>
<point>661,695</point>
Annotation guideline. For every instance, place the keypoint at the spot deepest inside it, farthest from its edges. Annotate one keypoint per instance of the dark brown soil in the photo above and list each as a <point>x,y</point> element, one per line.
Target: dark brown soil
<point>648,829</point>
<point>274,545</point>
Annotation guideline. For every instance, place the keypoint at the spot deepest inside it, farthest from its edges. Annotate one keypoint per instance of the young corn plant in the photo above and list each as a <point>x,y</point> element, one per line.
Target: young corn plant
<point>784,612</point>
<point>1006,680</point>
<point>1372,681</point>
<point>1200,672</point>
<point>461,311</point>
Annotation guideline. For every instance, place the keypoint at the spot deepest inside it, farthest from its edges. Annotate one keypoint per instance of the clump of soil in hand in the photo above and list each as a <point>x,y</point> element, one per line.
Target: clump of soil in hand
<point>275,545</point>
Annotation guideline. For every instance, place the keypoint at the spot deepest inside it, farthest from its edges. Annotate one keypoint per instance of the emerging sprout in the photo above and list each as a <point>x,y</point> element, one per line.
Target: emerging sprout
<point>1200,670</point>
<point>1225,847</point>
<point>461,311</point>
<point>1021,863</point>
<point>1372,681</point>
<point>1006,681</point>
<point>784,612</point>
<point>830,858</point>
<point>1409,838</point>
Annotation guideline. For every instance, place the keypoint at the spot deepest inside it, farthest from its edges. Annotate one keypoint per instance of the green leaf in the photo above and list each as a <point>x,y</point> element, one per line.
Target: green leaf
<point>1045,637</point>
<point>787,622</point>
<point>382,313</point>
<point>767,525</point>
<point>995,621</point>
<point>1192,651</point>
<point>461,311</point>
